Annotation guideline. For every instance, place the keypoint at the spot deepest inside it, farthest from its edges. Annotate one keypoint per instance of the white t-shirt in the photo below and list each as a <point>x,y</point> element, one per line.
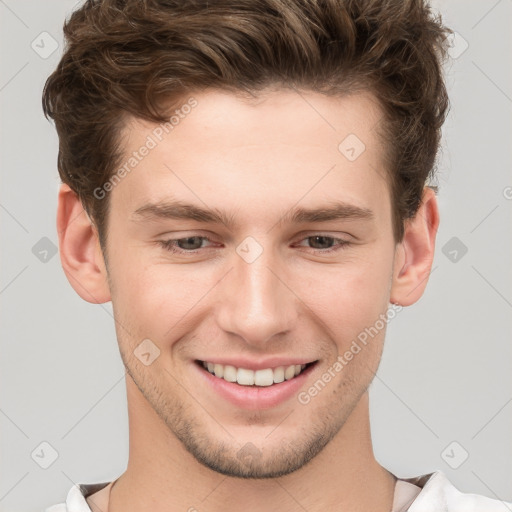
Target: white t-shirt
<point>431,492</point>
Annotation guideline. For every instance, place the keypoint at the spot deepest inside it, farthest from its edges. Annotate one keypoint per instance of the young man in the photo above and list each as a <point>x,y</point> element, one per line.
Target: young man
<point>246,181</point>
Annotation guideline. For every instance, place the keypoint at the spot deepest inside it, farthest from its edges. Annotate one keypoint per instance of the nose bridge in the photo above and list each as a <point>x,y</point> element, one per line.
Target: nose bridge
<point>255,304</point>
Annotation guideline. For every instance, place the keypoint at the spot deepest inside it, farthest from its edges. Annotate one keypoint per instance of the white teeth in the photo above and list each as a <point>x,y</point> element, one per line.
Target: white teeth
<point>289,373</point>
<point>263,377</point>
<point>246,377</point>
<point>279,374</point>
<point>229,373</point>
<point>219,370</point>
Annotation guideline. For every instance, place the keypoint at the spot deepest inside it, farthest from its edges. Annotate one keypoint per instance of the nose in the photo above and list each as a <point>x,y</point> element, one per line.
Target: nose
<point>255,302</point>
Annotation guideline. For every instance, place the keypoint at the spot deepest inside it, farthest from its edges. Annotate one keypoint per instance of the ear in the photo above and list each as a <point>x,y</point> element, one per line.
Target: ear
<point>80,250</point>
<point>415,254</point>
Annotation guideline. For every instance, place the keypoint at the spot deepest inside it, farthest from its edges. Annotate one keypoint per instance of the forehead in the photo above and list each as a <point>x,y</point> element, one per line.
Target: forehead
<point>280,148</point>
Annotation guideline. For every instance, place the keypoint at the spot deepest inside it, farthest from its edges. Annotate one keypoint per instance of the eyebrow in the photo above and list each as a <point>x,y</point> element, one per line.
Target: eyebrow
<point>179,210</point>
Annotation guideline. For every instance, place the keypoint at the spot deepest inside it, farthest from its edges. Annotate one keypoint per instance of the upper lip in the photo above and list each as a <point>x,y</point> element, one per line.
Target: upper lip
<point>248,364</point>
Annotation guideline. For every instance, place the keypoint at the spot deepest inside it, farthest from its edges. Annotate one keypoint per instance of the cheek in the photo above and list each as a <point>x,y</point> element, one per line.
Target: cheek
<point>349,297</point>
<point>155,299</point>
<point>159,298</point>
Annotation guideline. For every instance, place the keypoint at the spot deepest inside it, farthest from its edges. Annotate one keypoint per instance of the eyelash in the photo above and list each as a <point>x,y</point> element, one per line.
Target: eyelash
<point>169,245</point>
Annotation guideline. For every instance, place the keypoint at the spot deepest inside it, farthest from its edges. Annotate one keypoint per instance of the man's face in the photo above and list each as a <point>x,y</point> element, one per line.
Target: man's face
<point>263,290</point>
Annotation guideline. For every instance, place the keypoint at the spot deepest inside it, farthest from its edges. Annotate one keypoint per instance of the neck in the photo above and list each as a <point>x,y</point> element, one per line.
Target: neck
<point>162,476</point>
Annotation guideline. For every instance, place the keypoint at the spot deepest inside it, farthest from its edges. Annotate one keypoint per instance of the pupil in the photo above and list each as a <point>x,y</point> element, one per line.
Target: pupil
<point>190,240</point>
<point>325,239</point>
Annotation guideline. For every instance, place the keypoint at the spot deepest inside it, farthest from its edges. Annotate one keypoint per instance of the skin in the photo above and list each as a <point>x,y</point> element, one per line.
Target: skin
<point>255,160</point>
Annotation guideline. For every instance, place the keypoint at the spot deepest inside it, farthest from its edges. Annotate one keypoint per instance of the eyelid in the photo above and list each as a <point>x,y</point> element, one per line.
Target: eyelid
<point>179,235</point>
<point>170,243</point>
<point>171,246</point>
<point>323,235</point>
<point>300,237</point>
<point>331,234</point>
<point>339,243</point>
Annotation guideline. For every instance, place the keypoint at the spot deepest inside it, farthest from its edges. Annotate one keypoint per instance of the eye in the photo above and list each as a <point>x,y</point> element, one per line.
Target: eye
<point>189,244</point>
<point>326,243</point>
<point>192,244</point>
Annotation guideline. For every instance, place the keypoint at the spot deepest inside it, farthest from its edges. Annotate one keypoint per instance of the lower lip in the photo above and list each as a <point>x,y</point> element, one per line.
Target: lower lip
<point>255,397</point>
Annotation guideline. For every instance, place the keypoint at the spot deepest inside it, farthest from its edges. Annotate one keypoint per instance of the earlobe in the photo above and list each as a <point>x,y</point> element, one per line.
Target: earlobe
<point>80,252</point>
<point>415,254</point>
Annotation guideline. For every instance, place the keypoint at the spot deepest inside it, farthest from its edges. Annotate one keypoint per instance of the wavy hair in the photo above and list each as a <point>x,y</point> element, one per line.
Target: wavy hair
<point>132,57</point>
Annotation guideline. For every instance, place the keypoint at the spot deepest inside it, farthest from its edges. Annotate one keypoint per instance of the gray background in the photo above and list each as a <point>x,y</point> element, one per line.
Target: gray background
<point>446,371</point>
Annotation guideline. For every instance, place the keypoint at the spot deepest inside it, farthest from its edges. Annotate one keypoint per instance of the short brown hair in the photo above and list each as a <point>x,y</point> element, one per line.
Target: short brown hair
<point>130,57</point>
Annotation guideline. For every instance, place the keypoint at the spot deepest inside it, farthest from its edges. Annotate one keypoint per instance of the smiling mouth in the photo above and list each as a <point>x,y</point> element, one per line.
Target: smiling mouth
<point>245,377</point>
